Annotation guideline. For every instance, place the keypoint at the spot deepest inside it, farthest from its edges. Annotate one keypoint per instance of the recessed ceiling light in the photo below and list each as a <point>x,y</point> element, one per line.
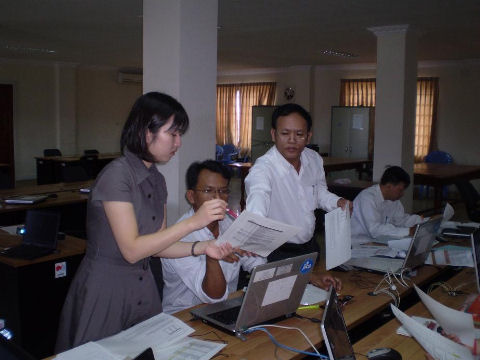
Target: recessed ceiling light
<point>29,50</point>
<point>332,52</point>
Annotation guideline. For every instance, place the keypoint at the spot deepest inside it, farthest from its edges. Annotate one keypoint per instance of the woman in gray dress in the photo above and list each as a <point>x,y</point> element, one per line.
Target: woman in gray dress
<point>114,288</point>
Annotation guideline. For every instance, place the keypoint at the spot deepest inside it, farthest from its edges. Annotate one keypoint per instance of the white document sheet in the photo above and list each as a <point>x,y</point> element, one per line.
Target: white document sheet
<point>161,330</point>
<point>428,323</point>
<point>188,349</point>
<point>451,255</point>
<point>90,351</point>
<point>435,344</point>
<point>313,295</point>
<point>452,321</point>
<point>400,244</point>
<point>338,240</point>
<point>373,250</point>
<point>448,212</point>
<point>257,234</point>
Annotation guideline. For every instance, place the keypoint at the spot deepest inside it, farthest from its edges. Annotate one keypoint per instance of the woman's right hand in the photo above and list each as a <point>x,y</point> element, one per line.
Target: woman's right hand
<point>210,211</point>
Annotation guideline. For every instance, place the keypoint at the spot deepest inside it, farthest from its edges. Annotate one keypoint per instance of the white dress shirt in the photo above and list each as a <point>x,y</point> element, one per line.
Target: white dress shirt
<point>183,277</point>
<point>375,217</point>
<point>275,190</point>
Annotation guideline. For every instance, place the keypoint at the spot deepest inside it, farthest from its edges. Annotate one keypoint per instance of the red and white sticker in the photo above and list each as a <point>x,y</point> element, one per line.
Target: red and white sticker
<point>60,269</point>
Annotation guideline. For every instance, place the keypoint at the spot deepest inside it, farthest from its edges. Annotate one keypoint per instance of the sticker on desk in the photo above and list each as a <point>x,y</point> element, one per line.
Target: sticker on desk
<point>60,269</point>
<point>279,290</point>
<point>264,275</point>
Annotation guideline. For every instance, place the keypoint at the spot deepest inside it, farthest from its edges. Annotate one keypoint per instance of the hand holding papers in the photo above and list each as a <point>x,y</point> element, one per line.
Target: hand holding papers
<point>257,234</point>
<point>338,241</point>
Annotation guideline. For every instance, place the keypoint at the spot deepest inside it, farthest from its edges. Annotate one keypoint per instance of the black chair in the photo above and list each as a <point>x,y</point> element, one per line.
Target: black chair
<point>90,164</point>
<point>91,152</point>
<point>52,152</point>
<point>471,198</point>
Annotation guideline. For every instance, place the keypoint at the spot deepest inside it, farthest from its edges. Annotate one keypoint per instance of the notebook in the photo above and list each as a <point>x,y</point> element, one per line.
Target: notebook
<point>25,199</point>
<point>476,255</point>
<point>420,246</point>
<point>274,291</point>
<point>40,238</point>
<point>334,330</point>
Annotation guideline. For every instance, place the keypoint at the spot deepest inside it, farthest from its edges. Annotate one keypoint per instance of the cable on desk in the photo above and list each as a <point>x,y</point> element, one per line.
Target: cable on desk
<point>450,290</point>
<point>272,338</point>
<point>390,290</point>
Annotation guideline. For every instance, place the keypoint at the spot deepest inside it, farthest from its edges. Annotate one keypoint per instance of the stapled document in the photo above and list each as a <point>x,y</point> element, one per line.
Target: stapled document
<point>338,240</point>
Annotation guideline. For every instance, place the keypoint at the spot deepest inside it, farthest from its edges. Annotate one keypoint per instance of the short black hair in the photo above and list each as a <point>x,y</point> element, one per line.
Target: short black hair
<point>150,112</point>
<point>395,175</point>
<point>287,109</point>
<point>193,171</point>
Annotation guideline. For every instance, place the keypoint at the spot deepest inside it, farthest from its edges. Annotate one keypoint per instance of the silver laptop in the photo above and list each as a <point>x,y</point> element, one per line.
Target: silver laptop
<point>476,255</point>
<point>334,330</point>
<point>275,290</point>
<point>420,246</point>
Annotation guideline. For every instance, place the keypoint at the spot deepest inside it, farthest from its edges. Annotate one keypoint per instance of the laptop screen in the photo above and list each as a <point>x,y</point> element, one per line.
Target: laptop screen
<point>334,330</point>
<point>422,243</point>
<point>41,228</point>
<point>476,255</point>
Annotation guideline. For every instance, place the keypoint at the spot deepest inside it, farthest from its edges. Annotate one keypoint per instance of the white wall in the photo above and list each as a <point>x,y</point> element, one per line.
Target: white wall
<point>62,106</point>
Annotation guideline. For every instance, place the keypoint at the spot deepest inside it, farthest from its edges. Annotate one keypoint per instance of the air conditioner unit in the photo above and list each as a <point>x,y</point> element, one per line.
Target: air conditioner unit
<point>129,78</point>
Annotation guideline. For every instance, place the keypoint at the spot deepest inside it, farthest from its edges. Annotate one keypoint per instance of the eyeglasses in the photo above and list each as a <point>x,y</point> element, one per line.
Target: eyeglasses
<point>213,191</point>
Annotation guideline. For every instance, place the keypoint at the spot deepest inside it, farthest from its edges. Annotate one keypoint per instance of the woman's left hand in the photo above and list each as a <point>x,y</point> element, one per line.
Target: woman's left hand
<point>218,251</point>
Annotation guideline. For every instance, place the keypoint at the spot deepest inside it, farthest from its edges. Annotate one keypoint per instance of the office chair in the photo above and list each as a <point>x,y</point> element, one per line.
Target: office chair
<point>218,152</point>
<point>471,198</point>
<point>52,152</point>
<point>230,154</point>
<point>436,157</point>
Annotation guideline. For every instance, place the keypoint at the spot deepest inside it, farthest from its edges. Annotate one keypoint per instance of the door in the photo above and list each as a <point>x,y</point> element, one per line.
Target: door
<point>261,125</point>
<point>7,160</point>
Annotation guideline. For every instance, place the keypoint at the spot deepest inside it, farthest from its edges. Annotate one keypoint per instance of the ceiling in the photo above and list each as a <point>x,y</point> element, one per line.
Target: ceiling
<point>251,33</point>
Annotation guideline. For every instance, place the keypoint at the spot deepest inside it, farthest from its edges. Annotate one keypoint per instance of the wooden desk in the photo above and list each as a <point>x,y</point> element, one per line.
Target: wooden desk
<point>438,175</point>
<point>32,298</point>
<point>49,168</point>
<point>258,346</point>
<point>68,201</point>
<point>409,348</point>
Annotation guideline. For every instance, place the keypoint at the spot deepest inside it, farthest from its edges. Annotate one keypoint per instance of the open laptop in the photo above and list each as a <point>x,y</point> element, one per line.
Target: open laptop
<point>40,238</point>
<point>334,330</point>
<point>476,255</point>
<point>275,290</point>
<point>420,246</point>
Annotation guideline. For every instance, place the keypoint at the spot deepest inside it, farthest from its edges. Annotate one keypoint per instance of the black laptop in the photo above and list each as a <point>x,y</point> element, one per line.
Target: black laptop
<point>40,238</point>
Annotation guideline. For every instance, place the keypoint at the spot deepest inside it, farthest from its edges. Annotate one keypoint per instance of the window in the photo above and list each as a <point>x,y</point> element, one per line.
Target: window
<point>361,92</point>
<point>234,111</point>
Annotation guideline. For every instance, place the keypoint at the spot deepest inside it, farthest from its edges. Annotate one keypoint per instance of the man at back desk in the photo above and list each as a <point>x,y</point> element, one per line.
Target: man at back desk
<point>288,182</point>
<point>378,212</point>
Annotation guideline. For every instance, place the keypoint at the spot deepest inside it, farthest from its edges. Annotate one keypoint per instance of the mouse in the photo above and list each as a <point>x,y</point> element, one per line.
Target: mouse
<point>384,354</point>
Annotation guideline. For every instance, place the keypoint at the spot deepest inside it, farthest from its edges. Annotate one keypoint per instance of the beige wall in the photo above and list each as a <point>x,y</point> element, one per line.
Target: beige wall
<point>62,106</point>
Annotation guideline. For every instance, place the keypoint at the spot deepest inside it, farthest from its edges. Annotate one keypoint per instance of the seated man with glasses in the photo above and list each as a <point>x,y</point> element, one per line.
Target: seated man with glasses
<point>200,279</point>
<point>288,182</point>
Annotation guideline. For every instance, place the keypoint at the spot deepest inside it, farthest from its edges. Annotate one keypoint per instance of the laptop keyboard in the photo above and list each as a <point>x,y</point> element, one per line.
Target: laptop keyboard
<point>25,251</point>
<point>227,316</point>
<point>377,263</point>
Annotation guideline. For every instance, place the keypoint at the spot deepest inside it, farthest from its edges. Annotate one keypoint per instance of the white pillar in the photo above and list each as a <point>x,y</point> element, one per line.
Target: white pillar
<point>65,84</point>
<point>395,102</point>
<point>180,59</point>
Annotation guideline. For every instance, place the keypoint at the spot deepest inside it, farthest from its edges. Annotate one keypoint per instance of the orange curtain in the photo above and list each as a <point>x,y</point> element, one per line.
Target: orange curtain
<point>427,99</point>
<point>234,111</point>
<point>361,92</point>
<point>357,92</point>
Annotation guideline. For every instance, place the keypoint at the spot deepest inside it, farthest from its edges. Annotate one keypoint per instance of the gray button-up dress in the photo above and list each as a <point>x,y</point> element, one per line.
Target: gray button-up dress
<point>108,294</point>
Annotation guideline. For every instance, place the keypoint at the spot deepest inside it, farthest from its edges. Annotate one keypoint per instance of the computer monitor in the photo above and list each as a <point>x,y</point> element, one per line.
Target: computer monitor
<point>334,330</point>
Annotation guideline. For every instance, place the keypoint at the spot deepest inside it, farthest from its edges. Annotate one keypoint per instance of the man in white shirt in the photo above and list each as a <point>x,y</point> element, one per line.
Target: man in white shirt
<point>288,182</point>
<point>194,279</point>
<point>378,212</point>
